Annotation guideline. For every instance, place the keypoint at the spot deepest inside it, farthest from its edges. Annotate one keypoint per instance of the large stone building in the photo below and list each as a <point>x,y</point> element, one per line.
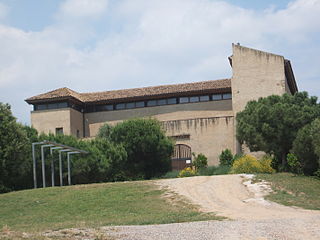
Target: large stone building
<point>200,116</point>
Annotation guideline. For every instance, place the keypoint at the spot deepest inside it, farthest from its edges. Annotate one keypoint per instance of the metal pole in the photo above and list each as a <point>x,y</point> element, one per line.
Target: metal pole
<point>60,169</point>
<point>69,170</point>
<point>34,166</point>
<point>43,165</point>
<point>43,168</point>
<point>52,165</point>
<point>60,164</point>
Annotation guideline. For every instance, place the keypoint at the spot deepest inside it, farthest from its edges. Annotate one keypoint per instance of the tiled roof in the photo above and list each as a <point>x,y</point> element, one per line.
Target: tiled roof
<point>136,93</point>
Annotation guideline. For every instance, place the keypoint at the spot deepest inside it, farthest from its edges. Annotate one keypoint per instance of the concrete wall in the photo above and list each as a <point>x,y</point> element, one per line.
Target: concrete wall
<point>47,121</point>
<point>209,124</point>
<point>255,74</point>
<point>76,120</point>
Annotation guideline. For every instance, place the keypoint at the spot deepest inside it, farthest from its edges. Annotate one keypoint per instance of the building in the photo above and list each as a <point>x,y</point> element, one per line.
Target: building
<point>200,116</point>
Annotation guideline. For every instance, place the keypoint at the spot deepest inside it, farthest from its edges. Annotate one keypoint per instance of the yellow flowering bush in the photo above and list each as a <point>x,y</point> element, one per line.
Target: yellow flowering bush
<point>187,172</point>
<point>250,164</point>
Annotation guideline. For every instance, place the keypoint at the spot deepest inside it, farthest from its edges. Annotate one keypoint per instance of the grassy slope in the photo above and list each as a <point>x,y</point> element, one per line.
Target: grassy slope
<point>92,206</point>
<point>291,190</point>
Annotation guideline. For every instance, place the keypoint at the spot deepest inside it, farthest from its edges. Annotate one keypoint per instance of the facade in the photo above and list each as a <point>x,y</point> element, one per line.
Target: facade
<point>200,116</point>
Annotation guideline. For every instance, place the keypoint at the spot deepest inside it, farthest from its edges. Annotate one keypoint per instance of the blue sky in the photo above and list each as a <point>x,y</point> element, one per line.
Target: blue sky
<point>96,45</point>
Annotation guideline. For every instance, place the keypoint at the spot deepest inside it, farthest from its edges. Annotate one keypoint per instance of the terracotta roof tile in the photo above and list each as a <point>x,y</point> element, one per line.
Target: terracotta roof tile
<point>135,93</point>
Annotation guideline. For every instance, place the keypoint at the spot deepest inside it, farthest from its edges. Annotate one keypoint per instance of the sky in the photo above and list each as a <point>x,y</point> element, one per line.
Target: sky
<point>99,45</point>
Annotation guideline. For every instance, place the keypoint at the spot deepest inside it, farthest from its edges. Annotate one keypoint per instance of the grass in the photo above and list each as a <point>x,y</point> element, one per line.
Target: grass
<point>93,205</point>
<point>292,190</point>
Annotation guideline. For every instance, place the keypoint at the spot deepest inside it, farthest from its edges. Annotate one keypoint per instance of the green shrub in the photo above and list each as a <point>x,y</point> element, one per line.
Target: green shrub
<point>104,131</point>
<point>304,147</point>
<point>200,161</point>
<point>317,173</point>
<point>226,157</point>
<point>250,164</point>
<point>294,164</point>
<point>187,172</point>
<point>171,174</point>
<point>148,148</point>
<point>221,170</point>
<point>208,171</point>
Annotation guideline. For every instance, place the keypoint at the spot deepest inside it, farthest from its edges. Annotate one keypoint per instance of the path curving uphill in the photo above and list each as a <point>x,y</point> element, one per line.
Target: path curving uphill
<point>233,196</point>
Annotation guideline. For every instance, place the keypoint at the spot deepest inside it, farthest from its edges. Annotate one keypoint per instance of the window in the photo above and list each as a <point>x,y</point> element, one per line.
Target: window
<point>130,105</point>
<point>204,98</point>
<point>194,99</point>
<point>59,130</point>
<point>120,106</point>
<point>62,105</point>
<point>78,133</point>
<point>172,101</point>
<point>184,100</point>
<point>216,97</point>
<point>52,105</point>
<point>139,104</point>
<point>226,96</point>
<point>162,102</point>
<point>151,103</point>
<point>41,107</point>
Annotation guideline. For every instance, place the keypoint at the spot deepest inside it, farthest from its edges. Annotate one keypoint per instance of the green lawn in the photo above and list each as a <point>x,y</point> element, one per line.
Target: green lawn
<point>93,205</point>
<point>292,190</point>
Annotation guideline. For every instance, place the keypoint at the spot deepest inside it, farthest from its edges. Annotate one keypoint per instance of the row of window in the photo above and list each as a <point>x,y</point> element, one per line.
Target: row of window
<point>159,102</point>
<point>140,104</point>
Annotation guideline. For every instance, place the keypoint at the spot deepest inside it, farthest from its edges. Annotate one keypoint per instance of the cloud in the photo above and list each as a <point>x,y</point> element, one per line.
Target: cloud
<point>83,8</point>
<point>142,43</point>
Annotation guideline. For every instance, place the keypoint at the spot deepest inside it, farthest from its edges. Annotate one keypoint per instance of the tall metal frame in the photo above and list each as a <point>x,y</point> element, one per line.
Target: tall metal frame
<point>53,146</point>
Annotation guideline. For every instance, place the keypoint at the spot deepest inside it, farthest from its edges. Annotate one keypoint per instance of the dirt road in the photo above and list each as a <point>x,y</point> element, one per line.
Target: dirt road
<point>233,196</point>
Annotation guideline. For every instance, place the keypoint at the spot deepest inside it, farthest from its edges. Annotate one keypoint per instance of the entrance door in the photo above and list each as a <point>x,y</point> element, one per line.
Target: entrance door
<point>181,157</point>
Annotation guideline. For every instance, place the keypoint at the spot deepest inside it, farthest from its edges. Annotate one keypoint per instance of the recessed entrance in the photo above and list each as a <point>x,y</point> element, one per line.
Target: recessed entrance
<point>181,157</point>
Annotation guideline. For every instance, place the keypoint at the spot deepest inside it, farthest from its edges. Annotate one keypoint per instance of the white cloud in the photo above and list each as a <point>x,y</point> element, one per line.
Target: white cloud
<point>84,8</point>
<point>156,42</point>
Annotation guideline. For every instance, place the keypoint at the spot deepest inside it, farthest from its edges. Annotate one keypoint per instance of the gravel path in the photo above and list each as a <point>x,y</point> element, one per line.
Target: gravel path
<point>233,196</point>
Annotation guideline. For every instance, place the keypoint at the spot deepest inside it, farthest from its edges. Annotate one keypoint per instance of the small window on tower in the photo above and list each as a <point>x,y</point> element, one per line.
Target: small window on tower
<point>59,131</point>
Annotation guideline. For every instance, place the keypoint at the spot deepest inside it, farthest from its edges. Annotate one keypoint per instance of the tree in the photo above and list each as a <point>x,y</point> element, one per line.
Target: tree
<point>14,149</point>
<point>104,131</point>
<point>226,158</point>
<point>306,147</point>
<point>148,149</point>
<point>271,124</point>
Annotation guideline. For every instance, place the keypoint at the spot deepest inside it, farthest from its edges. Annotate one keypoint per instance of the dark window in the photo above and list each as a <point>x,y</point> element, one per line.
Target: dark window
<point>139,104</point>
<point>162,102</point>
<point>78,133</point>
<point>59,130</point>
<point>172,101</point>
<point>41,107</point>
<point>120,106</point>
<point>184,100</point>
<point>216,97</point>
<point>151,103</point>
<point>52,105</point>
<point>194,99</point>
<point>62,105</point>
<point>204,98</point>
<point>227,96</point>
<point>130,105</point>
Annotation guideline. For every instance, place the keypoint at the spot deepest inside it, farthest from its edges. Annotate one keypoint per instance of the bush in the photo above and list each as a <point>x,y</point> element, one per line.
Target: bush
<point>187,172</point>
<point>148,148</point>
<point>104,131</point>
<point>304,147</point>
<point>200,161</point>
<point>171,174</point>
<point>250,164</point>
<point>226,157</point>
<point>294,164</point>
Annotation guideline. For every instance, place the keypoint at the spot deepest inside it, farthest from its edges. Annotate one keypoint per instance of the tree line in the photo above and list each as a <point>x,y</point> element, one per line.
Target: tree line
<point>133,149</point>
